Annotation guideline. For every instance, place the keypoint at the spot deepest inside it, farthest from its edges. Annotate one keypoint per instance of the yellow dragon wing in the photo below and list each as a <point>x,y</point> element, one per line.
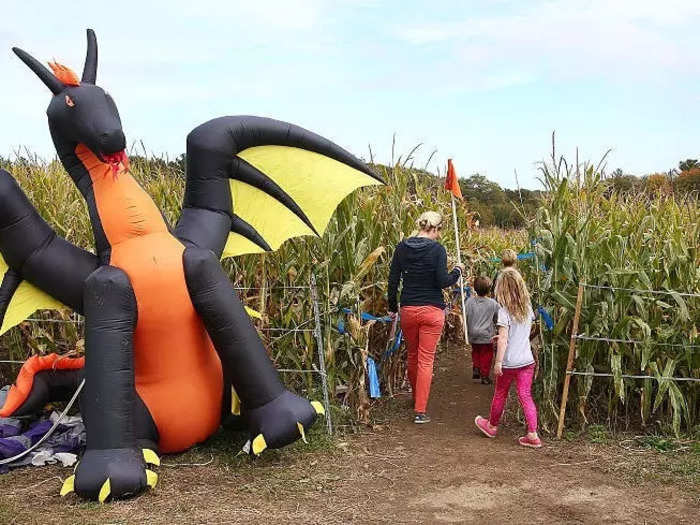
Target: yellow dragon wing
<point>315,182</point>
<point>19,299</point>
<point>254,182</point>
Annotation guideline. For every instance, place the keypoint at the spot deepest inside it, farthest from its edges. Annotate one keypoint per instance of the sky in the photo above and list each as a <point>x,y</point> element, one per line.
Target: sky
<point>485,83</point>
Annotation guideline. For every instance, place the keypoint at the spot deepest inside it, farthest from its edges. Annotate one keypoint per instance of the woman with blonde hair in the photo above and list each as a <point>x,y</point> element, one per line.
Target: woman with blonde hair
<point>421,262</point>
<point>514,358</point>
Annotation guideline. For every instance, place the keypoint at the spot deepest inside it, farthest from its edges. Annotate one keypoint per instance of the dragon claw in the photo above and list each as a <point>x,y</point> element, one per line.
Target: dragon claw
<point>258,445</point>
<point>302,432</point>
<point>108,474</point>
<point>281,421</point>
<point>318,407</point>
<point>105,491</point>
<point>151,478</point>
<point>151,457</point>
<point>68,485</point>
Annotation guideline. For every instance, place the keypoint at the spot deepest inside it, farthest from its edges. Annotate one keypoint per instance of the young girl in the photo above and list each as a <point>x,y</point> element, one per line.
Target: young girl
<point>514,357</point>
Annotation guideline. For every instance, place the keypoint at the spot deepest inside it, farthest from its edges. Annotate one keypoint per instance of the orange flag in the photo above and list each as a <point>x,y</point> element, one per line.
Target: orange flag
<point>451,182</point>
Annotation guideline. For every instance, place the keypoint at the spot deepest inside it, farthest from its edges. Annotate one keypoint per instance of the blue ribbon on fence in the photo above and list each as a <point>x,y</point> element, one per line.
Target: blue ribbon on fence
<point>521,257</point>
<point>369,317</point>
<point>548,321</point>
<point>365,317</point>
<point>374,389</point>
<point>467,291</point>
<point>372,366</point>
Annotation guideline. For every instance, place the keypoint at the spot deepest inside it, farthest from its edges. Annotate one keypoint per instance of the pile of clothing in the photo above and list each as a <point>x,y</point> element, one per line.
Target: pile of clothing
<point>19,434</point>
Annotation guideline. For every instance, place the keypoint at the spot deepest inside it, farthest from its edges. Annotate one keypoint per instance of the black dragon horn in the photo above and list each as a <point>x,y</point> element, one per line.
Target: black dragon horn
<point>90,69</point>
<point>44,74</point>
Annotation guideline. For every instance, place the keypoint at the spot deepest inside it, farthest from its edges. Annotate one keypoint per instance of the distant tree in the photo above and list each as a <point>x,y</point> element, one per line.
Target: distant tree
<point>688,181</point>
<point>478,187</point>
<point>657,184</point>
<point>688,164</point>
<point>625,183</point>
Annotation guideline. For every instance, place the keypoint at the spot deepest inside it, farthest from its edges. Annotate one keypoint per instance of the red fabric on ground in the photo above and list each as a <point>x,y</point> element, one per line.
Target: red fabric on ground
<point>422,327</point>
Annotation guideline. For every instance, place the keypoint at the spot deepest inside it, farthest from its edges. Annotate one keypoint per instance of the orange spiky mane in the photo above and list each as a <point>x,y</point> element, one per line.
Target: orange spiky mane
<point>64,74</point>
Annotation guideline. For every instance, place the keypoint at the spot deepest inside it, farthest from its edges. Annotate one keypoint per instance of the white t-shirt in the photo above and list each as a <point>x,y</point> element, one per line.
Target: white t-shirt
<point>518,352</point>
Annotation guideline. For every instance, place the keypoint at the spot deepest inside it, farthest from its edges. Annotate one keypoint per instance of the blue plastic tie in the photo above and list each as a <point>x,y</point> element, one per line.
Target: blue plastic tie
<point>374,390</point>
<point>548,321</point>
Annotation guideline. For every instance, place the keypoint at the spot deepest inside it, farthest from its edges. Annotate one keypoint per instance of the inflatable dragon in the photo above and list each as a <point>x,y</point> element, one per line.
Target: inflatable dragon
<point>167,339</point>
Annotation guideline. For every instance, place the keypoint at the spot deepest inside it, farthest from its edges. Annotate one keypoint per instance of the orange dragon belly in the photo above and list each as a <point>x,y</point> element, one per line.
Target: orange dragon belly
<point>178,373</point>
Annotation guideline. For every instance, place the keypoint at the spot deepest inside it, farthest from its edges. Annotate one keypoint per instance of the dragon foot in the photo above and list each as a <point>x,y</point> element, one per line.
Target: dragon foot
<point>112,473</point>
<point>280,422</point>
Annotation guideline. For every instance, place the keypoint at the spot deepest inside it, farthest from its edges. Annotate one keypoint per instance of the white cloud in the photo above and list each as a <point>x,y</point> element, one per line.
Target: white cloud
<point>572,38</point>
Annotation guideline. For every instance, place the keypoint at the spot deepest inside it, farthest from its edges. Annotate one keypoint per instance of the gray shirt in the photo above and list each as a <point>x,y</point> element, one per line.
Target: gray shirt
<point>518,352</point>
<point>481,319</point>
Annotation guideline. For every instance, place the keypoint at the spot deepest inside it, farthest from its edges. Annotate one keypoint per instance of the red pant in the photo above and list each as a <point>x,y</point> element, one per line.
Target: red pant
<point>422,327</point>
<point>482,354</point>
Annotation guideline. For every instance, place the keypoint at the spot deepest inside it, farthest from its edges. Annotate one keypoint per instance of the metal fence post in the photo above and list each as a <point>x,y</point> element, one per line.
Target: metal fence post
<point>321,354</point>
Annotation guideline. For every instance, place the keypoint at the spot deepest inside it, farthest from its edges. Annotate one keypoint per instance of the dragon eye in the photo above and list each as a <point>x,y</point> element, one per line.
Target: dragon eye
<point>69,101</point>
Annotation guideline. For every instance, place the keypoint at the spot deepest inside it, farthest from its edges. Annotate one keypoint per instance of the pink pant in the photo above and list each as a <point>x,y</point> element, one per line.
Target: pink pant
<point>523,380</point>
<point>422,327</point>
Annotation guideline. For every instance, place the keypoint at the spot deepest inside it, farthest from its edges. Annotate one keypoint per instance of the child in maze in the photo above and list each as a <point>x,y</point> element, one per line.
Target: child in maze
<point>508,260</point>
<point>481,314</point>
<point>514,357</point>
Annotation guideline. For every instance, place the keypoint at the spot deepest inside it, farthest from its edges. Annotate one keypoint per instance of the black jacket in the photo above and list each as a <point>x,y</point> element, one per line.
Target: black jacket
<point>422,263</point>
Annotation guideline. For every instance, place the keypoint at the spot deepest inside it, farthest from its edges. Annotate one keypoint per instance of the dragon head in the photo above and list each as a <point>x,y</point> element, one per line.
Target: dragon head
<point>81,112</point>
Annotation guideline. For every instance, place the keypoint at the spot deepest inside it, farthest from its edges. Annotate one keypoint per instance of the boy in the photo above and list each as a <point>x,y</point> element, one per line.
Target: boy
<point>481,314</point>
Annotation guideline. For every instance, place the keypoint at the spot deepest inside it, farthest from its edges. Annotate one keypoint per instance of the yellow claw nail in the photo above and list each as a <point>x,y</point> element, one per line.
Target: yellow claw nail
<point>235,403</point>
<point>253,313</point>
<point>151,478</point>
<point>68,485</point>
<point>104,491</point>
<point>318,407</point>
<point>151,457</point>
<point>259,444</point>
<point>301,431</point>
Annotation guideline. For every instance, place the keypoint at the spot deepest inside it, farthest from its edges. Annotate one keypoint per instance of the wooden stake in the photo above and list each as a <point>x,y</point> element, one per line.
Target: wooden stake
<point>570,361</point>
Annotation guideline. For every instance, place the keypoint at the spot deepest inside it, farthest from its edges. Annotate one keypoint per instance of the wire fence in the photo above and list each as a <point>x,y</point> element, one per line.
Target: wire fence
<point>575,336</point>
<point>633,341</point>
<point>318,369</point>
<point>641,290</point>
<point>626,376</point>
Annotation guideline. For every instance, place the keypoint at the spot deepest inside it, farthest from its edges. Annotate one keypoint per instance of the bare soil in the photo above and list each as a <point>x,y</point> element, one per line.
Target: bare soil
<point>396,472</point>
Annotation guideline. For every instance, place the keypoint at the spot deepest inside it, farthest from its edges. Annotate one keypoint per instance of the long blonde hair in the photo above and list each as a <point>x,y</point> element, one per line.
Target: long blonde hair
<point>512,294</point>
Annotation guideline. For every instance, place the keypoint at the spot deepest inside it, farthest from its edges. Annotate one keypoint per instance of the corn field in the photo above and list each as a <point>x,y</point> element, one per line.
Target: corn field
<point>580,232</point>
<point>585,233</point>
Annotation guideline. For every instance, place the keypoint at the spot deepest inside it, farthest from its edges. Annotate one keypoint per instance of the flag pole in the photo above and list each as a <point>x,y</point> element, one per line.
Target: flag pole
<point>461,274</point>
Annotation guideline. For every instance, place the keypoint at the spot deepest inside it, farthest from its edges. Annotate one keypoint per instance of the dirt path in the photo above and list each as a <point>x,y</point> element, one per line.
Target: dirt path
<point>443,472</point>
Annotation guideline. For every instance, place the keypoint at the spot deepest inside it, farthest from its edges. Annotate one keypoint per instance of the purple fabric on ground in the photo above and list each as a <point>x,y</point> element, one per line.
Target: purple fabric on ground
<point>69,436</point>
<point>9,427</point>
<point>37,430</point>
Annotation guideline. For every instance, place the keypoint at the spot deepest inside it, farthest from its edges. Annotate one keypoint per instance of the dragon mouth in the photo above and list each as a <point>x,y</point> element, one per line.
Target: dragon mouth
<point>115,160</point>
